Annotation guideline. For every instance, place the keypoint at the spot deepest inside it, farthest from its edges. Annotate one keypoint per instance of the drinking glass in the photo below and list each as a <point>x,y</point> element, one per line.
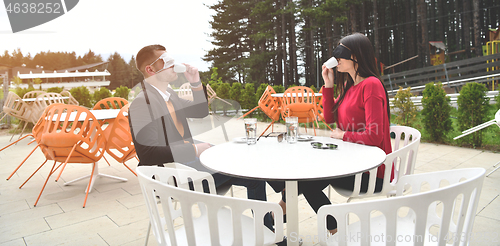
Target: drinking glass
<point>292,129</point>
<point>251,130</point>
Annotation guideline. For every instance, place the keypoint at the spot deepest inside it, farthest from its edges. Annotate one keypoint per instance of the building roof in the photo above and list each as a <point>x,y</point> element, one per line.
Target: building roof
<point>82,68</point>
<point>65,74</point>
<point>438,44</point>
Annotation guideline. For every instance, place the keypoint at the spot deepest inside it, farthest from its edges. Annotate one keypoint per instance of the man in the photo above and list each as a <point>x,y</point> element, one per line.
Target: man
<point>158,123</point>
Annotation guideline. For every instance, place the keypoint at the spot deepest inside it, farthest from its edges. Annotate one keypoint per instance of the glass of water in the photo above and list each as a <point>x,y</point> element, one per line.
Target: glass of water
<point>251,130</point>
<point>292,129</point>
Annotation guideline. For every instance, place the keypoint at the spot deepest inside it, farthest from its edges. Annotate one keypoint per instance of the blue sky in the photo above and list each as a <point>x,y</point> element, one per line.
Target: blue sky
<point>108,26</point>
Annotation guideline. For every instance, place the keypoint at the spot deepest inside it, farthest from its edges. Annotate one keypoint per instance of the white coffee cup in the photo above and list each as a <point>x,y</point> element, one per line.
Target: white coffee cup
<point>179,68</point>
<point>331,63</point>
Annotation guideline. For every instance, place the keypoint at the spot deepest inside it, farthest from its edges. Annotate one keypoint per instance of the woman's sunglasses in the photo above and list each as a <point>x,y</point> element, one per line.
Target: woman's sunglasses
<point>318,145</point>
<point>279,135</point>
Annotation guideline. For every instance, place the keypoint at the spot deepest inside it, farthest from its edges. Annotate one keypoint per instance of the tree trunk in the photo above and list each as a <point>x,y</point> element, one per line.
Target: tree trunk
<point>283,44</point>
<point>409,37</point>
<point>422,23</point>
<point>279,53</point>
<point>466,27</point>
<point>432,21</point>
<point>457,26</point>
<point>329,23</point>
<point>352,17</point>
<point>362,20</point>
<point>293,47</point>
<point>477,30</point>
<point>376,42</point>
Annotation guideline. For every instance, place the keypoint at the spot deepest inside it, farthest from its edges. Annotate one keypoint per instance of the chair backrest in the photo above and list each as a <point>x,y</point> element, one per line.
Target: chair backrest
<point>319,105</point>
<point>270,105</point>
<point>219,219</point>
<point>42,101</point>
<point>71,100</point>
<point>403,158</point>
<point>211,94</point>
<point>111,103</point>
<point>441,215</point>
<point>299,101</point>
<point>404,135</point>
<point>68,127</point>
<point>15,107</point>
<point>185,92</point>
<point>119,141</point>
<point>33,94</point>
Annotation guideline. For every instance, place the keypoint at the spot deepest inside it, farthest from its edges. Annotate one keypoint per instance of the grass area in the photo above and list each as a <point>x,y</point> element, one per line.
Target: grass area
<point>491,134</point>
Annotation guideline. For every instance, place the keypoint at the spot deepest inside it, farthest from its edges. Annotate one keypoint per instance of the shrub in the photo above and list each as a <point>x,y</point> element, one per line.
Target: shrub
<point>260,91</point>
<point>405,108</point>
<point>436,112</point>
<point>248,97</point>
<point>122,92</point>
<point>222,92</point>
<point>55,89</point>
<point>279,88</point>
<point>82,95</point>
<point>20,91</point>
<point>101,94</point>
<point>313,89</point>
<point>497,99</point>
<point>473,106</point>
<point>235,92</point>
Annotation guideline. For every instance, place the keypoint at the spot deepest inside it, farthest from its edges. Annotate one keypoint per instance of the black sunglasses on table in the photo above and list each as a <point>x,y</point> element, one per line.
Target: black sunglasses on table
<point>279,135</point>
<point>318,145</point>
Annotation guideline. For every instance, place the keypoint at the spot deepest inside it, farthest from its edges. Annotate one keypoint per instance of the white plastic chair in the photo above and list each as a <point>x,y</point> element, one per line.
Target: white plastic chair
<point>403,157</point>
<point>221,220</point>
<point>221,190</point>
<point>482,126</point>
<point>185,92</point>
<point>437,216</point>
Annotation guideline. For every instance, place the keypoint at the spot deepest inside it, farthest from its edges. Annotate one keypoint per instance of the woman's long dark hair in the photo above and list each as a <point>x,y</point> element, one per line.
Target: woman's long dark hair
<point>362,51</point>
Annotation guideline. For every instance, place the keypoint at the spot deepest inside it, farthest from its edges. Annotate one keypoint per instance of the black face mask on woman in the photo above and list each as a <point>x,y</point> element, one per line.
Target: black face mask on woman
<point>342,52</point>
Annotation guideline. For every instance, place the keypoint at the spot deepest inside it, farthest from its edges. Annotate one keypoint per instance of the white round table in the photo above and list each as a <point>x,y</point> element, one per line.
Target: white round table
<point>99,114</point>
<point>45,98</point>
<point>270,160</point>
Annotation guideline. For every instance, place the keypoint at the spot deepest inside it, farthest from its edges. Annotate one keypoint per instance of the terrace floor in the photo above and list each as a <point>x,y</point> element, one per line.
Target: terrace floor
<point>115,213</point>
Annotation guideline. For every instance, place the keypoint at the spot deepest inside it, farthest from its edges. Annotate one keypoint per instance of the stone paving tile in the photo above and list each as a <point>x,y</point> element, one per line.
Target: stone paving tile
<point>486,232</point>
<point>83,214</point>
<point>86,232</point>
<point>15,242</point>
<point>26,222</point>
<point>129,234</point>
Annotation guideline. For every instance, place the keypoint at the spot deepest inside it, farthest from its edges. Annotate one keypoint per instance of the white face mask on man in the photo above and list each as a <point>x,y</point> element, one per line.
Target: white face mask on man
<point>169,62</point>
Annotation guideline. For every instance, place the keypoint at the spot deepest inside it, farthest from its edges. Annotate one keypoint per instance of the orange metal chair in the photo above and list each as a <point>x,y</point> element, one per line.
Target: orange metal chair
<point>36,133</point>
<point>111,103</point>
<point>270,105</point>
<point>62,140</point>
<point>119,143</point>
<point>319,108</point>
<point>300,101</point>
<point>15,107</point>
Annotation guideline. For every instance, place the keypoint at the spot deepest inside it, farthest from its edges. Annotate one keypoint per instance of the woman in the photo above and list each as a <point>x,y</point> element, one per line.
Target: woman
<point>361,112</point>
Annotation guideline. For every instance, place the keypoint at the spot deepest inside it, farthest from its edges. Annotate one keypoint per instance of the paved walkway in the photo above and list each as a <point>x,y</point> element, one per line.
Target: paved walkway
<point>115,213</point>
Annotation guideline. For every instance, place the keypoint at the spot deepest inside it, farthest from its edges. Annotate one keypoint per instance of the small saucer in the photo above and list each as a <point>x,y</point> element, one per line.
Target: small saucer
<point>304,138</point>
<point>240,140</point>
